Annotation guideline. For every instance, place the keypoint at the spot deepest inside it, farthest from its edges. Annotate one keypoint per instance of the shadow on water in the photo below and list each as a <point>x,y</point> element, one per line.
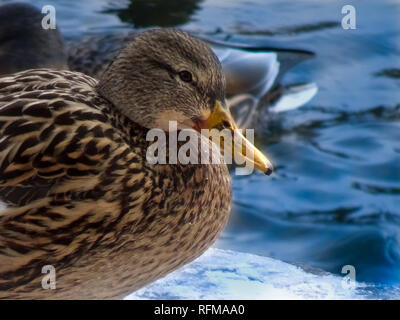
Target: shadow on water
<point>390,73</point>
<point>292,30</point>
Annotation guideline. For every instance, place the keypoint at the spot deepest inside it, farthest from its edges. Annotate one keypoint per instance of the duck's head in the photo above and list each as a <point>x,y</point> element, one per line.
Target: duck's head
<point>167,75</point>
<point>25,44</point>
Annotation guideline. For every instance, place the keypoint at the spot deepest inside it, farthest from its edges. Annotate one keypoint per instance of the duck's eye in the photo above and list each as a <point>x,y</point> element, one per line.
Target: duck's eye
<point>185,76</point>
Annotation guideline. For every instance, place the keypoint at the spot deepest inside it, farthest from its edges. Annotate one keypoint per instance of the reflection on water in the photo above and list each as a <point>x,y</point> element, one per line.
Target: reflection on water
<point>334,199</point>
<point>290,30</point>
<point>148,13</point>
<point>390,73</point>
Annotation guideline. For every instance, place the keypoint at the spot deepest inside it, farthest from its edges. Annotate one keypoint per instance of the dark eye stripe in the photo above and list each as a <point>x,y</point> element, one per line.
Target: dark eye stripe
<point>163,65</point>
<point>173,72</point>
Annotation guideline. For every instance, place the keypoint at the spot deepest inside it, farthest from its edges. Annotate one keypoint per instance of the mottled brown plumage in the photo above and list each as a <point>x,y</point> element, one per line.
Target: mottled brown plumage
<point>81,195</point>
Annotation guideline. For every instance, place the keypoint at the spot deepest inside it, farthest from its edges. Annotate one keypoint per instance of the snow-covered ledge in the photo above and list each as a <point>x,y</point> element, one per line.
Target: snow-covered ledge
<point>222,274</point>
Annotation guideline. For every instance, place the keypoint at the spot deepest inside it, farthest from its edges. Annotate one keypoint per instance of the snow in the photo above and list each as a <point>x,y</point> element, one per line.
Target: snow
<point>224,274</point>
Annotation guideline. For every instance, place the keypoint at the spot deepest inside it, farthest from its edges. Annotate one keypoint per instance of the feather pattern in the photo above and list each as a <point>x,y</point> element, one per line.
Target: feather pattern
<point>81,196</point>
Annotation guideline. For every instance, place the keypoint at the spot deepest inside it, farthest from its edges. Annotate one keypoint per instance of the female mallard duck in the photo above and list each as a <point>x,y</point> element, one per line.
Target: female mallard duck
<point>252,73</point>
<point>79,192</point>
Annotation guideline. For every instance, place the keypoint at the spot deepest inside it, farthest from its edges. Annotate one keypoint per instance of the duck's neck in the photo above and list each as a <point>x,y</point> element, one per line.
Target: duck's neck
<point>137,137</point>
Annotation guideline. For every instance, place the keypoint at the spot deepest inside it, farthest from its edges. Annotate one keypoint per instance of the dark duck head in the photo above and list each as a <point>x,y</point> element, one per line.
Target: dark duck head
<point>25,44</point>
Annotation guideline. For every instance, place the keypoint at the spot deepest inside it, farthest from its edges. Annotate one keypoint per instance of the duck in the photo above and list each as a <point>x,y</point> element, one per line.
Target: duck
<point>78,191</point>
<point>24,44</point>
<point>253,72</point>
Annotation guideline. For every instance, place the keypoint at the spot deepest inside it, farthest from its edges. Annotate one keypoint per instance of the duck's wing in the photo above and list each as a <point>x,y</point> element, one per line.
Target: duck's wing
<point>52,141</point>
<point>246,108</point>
<point>293,96</point>
<point>243,108</point>
<point>255,69</point>
<point>245,72</point>
<point>253,73</point>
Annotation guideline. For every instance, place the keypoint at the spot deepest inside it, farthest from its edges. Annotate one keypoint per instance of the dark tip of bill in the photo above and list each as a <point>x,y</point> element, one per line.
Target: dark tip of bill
<point>268,172</point>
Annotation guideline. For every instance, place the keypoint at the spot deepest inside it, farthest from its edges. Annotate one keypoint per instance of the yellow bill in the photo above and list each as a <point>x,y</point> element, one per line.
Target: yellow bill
<point>240,147</point>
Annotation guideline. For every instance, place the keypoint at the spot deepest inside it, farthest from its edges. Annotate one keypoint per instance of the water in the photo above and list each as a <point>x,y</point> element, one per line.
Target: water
<point>335,197</point>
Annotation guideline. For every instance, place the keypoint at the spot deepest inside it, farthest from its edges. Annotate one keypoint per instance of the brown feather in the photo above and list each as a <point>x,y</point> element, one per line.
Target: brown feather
<point>83,198</point>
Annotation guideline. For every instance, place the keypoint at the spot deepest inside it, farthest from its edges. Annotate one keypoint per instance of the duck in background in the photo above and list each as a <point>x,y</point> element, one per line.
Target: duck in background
<point>24,44</point>
<point>252,73</point>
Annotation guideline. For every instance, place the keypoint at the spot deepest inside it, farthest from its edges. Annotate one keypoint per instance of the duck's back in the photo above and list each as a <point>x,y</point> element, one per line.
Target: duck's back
<point>92,55</point>
<point>50,131</point>
<point>80,196</point>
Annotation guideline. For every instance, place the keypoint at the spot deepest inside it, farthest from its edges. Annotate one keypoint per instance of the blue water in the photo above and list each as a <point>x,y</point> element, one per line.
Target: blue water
<point>335,197</point>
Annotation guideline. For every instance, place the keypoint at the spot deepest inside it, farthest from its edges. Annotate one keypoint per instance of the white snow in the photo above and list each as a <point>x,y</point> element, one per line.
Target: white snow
<point>222,274</point>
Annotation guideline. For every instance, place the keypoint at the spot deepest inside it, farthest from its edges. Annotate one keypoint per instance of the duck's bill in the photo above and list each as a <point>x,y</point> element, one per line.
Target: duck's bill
<point>221,127</point>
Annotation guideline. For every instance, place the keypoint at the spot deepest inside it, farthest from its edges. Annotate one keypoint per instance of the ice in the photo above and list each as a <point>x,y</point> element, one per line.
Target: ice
<point>224,274</point>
